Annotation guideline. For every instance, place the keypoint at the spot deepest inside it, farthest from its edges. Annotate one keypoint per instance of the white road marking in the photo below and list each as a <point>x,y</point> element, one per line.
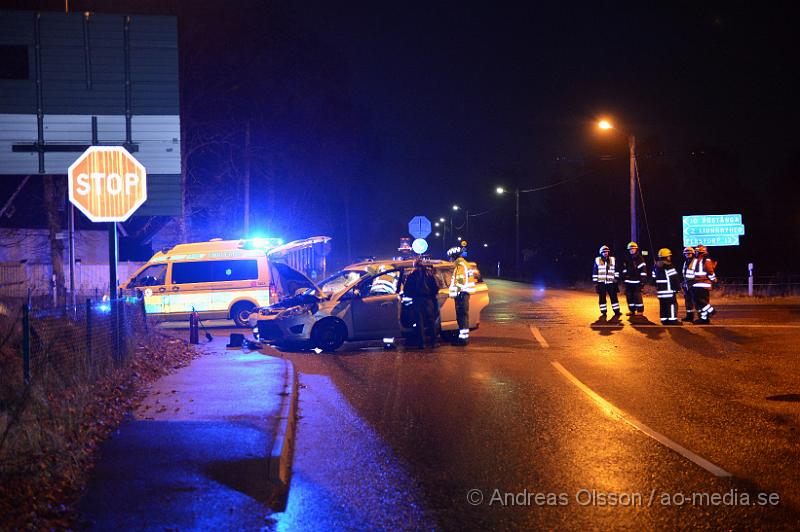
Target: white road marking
<point>698,327</point>
<point>538,335</point>
<point>617,413</point>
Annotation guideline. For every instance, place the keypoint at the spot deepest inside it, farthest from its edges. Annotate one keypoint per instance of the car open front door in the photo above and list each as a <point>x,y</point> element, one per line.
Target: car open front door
<point>376,316</point>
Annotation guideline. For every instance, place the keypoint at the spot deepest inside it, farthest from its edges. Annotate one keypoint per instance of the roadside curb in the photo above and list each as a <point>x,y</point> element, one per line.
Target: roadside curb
<point>280,459</point>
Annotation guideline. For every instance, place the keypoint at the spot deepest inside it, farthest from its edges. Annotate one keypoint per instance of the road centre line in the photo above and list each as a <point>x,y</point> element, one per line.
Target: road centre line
<point>632,421</point>
<point>538,335</point>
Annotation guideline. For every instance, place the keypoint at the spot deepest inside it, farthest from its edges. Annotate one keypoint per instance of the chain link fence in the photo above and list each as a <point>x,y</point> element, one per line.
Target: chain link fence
<point>56,355</point>
<point>87,340</point>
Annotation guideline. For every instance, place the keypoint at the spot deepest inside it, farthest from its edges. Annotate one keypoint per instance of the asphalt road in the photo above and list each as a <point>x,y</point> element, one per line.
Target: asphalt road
<point>574,424</point>
<point>553,418</point>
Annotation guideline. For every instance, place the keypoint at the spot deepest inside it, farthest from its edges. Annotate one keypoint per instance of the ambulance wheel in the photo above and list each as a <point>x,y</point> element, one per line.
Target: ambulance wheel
<point>241,312</point>
<point>328,335</point>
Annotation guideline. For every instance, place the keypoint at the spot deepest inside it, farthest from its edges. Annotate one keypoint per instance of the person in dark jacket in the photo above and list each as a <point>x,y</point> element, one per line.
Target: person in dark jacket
<point>634,275</point>
<point>667,284</point>
<point>421,287</point>
<point>687,274</point>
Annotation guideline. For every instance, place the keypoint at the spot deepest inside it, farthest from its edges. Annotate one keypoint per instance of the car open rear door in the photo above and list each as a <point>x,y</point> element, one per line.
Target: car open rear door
<point>306,255</point>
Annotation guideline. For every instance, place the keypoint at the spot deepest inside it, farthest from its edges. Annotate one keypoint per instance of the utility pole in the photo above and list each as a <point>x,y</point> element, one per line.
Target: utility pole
<point>247,180</point>
<point>516,248</point>
<point>632,152</point>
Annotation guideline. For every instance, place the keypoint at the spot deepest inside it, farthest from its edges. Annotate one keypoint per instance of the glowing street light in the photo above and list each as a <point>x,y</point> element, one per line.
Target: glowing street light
<point>605,124</point>
<point>455,207</point>
<point>500,190</point>
<point>441,220</point>
<point>437,233</point>
<point>436,224</point>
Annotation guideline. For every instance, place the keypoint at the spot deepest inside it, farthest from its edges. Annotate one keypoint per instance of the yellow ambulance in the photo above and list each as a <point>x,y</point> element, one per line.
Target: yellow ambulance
<point>220,279</point>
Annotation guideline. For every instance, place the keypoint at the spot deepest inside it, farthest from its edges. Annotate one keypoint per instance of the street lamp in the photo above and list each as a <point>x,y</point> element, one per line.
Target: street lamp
<point>517,192</point>
<point>501,191</point>
<point>606,125</point>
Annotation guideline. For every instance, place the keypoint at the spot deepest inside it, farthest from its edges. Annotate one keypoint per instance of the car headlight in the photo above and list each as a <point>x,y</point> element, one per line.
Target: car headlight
<point>293,311</point>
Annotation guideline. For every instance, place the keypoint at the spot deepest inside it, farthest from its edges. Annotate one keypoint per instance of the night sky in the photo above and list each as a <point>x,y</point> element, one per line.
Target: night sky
<point>387,110</point>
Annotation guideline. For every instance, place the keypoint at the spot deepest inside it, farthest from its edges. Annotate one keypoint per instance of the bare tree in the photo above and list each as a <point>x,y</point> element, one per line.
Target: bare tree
<point>54,195</point>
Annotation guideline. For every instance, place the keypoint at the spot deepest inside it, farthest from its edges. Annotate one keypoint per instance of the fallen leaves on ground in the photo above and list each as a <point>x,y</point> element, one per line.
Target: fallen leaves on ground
<point>48,453</point>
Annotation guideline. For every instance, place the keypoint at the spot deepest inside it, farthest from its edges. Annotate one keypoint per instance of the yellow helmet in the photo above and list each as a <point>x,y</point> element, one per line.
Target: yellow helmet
<point>632,245</point>
<point>664,253</point>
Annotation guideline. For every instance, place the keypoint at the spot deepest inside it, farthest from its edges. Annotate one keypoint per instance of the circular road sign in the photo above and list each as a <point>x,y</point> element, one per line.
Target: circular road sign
<point>107,184</point>
<point>420,246</point>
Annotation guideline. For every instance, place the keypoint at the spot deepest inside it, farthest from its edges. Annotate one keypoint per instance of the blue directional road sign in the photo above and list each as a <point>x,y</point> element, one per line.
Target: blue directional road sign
<point>724,240</point>
<point>419,246</point>
<point>712,229</point>
<point>419,227</point>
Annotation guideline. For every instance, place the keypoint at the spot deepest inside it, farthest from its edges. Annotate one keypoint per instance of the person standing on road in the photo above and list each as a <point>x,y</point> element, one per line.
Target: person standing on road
<point>667,284</point>
<point>688,297</point>
<point>421,287</point>
<point>634,274</point>
<point>461,286</point>
<point>703,278</point>
<point>605,279</point>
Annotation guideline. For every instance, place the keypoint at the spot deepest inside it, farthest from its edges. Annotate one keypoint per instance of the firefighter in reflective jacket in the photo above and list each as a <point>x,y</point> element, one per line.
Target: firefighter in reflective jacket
<point>605,278</point>
<point>667,284</point>
<point>688,297</point>
<point>461,286</point>
<point>634,274</point>
<point>702,278</point>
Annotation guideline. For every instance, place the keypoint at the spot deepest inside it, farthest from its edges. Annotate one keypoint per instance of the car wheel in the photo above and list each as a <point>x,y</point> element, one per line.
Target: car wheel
<point>328,335</point>
<point>241,312</point>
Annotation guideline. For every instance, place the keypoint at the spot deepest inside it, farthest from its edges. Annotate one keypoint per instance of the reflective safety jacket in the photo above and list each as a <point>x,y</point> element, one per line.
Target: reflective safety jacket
<point>384,284</point>
<point>700,273</point>
<point>666,277</point>
<point>463,278</point>
<point>634,270</point>
<point>687,265</point>
<point>604,272</point>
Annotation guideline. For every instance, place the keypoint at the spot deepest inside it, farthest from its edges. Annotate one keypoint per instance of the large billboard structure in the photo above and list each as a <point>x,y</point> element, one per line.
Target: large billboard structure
<point>72,80</point>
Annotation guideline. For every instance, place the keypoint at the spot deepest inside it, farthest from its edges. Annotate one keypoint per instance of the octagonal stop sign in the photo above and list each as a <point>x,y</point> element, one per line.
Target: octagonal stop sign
<point>107,184</point>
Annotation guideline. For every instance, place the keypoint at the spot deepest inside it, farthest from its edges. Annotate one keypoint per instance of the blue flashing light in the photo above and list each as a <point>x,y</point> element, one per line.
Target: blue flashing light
<point>261,242</point>
<point>104,307</point>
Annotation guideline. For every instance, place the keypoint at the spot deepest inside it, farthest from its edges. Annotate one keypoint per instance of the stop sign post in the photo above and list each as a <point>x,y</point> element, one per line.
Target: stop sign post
<point>107,184</point>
